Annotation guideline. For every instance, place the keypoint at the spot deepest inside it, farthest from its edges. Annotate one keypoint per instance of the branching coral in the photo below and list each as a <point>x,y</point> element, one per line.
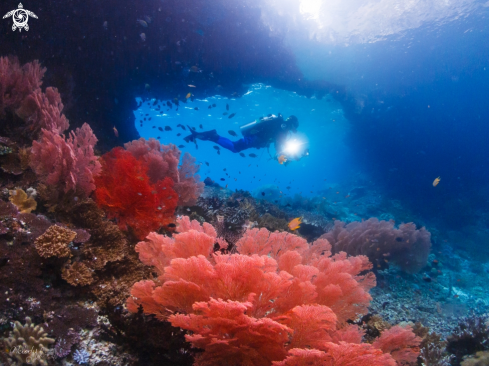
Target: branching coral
<point>55,242</point>
<point>24,203</point>
<point>126,193</point>
<point>381,242</point>
<point>67,164</point>
<point>278,294</point>
<point>28,343</point>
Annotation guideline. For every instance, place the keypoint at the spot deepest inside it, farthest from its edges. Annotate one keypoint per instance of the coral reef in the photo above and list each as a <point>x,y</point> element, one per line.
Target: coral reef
<point>480,359</point>
<point>306,296</point>
<point>126,193</point>
<point>55,242</point>
<point>382,243</point>
<point>28,343</point>
<point>77,274</point>
<point>69,165</point>
<point>22,201</point>
<point>470,336</point>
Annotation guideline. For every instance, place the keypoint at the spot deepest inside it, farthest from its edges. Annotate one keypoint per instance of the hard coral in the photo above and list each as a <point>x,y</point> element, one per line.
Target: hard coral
<point>77,274</point>
<point>381,242</point>
<point>55,242</point>
<point>126,193</point>
<point>67,164</point>
<point>28,343</point>
<point>23,202</point>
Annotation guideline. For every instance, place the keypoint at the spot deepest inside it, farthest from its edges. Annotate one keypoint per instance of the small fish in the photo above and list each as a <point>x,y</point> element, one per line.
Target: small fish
<point>225,114</point>
<point>287,187</point>
<point>179,134</point>
<point>227,107</point>
<point>263,193</point>
<point>160,128</point>
<point>242,155</point>
<point>169,104</point>
<point>232,133</point>
<point>191,86</point>
<point>143,37</point>
<point>206,163</point>
<point>252,155</point>
<point>106,25</point>
<point>201,127</point>
<point>142,22</point>
<point>181,146</point>
<point>295,223</point>
<point>209,107</point>
<point>195,69</point>
<point>188,95</point>
<point>232,115</point>
<point>223,179</point>
<point>147,19</point>
<point>196,108</point>
<point>172,225</point>
<point>282,159</point>
<point>116,133</point>
<point>213,105</point>
<point>218,152</point>
<point>436,181</point>
<point>216,147</point>
<point>154,126</point>
<point>167,128</point>
<point>183,127</point>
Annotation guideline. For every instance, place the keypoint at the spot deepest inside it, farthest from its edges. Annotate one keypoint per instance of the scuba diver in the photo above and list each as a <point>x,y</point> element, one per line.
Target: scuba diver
<point>261,133</point>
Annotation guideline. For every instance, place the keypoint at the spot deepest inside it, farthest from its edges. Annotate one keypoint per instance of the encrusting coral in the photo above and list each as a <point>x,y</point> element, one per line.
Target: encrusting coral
<point>277,300</point>
<point>55,242</point>
<point>22,201</point>
<point>77,274</point>
<point>28,343</point>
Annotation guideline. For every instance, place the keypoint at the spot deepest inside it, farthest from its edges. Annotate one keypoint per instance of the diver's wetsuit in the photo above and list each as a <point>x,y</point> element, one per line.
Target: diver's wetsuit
<point>262,135</point>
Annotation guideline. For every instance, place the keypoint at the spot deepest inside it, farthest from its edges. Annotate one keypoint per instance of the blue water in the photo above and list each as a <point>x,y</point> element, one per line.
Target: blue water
<point>321,123</point>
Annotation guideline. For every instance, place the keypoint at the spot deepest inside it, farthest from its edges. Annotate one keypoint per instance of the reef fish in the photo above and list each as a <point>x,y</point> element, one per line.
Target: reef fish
<point>143,23</point>
<point>242,155</point>
<point>252,155</point>
<point>167,128</point>
<point>295,223</point>
<point>181,146</point>
<point>116,133</point>
<point>216,147</point>
<point>227,107</point>
<point>188,95</point>
<point>282,159</point>
<point>436,181</point>
<point>232,115</point>
<point>160,128</point>
<point>232,133</point>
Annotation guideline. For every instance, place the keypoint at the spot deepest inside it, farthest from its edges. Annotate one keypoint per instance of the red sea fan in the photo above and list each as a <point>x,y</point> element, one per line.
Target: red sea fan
<point>125,192</point>
<point>401,343</point>
<point>68,164</point>
<point>162,161</point>
<point>230,337</point>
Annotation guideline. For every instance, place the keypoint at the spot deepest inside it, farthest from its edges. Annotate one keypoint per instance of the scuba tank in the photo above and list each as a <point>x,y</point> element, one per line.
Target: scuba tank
<point>258,125</point>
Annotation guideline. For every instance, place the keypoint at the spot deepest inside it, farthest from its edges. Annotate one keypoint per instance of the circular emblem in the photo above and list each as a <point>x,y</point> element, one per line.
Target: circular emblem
<point>20,17</point>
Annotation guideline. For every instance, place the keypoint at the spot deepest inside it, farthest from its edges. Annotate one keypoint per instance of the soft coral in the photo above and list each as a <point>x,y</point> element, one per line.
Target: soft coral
<point>126,193</point>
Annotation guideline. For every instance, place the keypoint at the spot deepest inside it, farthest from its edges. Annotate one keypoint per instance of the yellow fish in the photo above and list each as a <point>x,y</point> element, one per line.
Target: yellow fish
<point>295,223</point>
<point>436,181</point>
<point>282,159</point>
<point>188,95</point>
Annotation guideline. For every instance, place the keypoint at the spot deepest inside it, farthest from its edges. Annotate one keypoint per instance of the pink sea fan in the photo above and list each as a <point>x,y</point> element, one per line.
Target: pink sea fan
<point>68,164</point>
<point>189,188</point>
<point>44,110</point>
<point>17,82</point>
